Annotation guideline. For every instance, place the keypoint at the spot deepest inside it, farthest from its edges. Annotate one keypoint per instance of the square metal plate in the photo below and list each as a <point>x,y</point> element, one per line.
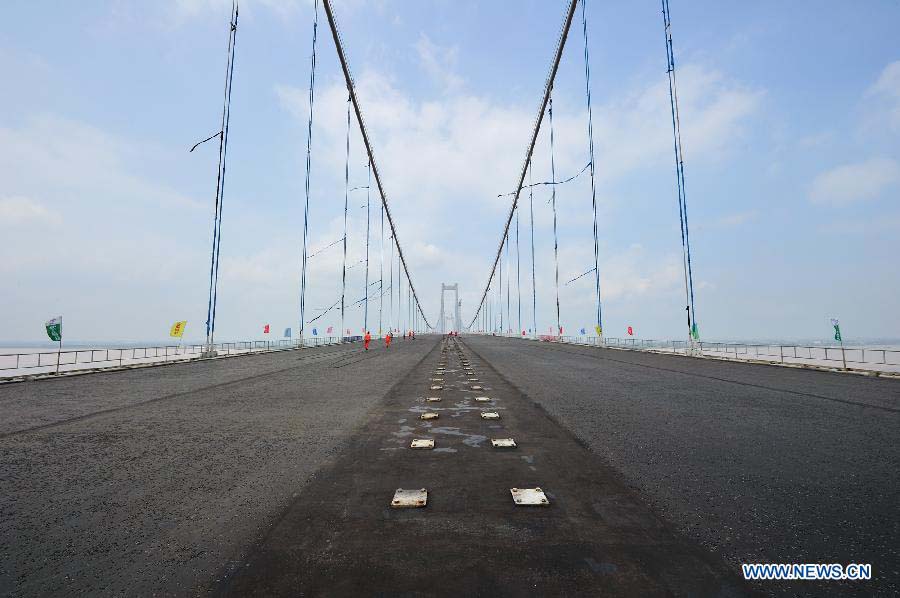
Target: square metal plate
<point>437,387</point>
<point>432,399</point>
<point>490,415</point>
<point>473,379</point>
<point>501,442</point>
<point>405,499</point>
<point>437,379</point>
<point>428,416</point>
<point>476,387</point>
<point>529,497</point>
<point>482,399</point>
<point>422,443</point>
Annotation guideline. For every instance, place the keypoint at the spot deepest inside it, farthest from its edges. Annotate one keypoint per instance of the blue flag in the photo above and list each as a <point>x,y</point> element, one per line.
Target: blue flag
<point>582,331</point>
<point>315,332</point>
<point>287,333</point>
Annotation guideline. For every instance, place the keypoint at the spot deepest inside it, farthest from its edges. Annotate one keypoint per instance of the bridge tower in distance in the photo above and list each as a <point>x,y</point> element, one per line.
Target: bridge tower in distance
<point>457,318</point>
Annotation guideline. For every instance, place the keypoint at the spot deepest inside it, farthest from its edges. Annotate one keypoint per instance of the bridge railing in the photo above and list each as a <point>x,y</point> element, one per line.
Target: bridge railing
<point>870,358</point>
<point>37,362</point>
<point>848,357</point>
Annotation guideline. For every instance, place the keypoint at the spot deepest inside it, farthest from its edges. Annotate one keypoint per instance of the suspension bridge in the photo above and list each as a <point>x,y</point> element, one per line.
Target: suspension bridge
<point>469,455</point>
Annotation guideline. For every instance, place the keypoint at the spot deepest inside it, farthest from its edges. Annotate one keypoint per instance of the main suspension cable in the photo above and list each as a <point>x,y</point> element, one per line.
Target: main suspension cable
<point>534,133</point>
<point>351,88</point>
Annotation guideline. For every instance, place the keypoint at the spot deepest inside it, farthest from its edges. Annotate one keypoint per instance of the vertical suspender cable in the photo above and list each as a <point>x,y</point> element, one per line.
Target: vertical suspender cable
<point>553,199</point>
<point>312,82</point>
<point>220,182</point>
<point>693,332</point>
<point>508,311</point>
<point>587,87</point>
<point>500,287</point>
<point>346,201</point>
<point>548,86</point>
<point>391,288</point>
<point>348,79</point>
<point>366,309</point>
<point>518,275</point>
<point>533,275</point>
<point>380,271</point>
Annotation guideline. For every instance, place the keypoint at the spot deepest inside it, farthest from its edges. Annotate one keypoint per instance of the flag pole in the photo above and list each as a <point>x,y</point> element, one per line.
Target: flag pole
<point>59,348</point>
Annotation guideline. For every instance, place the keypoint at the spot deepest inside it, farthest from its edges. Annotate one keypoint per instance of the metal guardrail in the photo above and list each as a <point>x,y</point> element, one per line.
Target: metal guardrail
<point>871,358</point>
<point>74,359</point>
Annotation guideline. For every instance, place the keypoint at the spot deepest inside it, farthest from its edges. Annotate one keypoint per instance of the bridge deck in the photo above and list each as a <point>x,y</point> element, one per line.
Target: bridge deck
<point>274,473</point>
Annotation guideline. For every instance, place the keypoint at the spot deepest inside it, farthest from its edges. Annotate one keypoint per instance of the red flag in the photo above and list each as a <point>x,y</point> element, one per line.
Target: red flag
<point>266,329</point>
<point>330,329</point>
<point>630,331</point>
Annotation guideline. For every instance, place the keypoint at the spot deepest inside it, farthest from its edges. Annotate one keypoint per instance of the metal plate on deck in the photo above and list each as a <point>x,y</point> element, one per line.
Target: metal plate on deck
<point>476,387</point>
<point>437,387</point>
<point>428,415</point>
<point>473,379</point>
<point>529,497</point>
<point>490,415</point>
<point>437,379</point>
<point>404,499</point>
<point>502,443</point>
<point>482,399</point>
<point>422,443</point>
<point>432,399</point>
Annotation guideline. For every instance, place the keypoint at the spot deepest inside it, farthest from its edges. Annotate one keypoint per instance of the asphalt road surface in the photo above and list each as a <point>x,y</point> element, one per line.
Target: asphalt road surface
<point>274,474</point>
<point>758,463</point>
<point>155,480</point>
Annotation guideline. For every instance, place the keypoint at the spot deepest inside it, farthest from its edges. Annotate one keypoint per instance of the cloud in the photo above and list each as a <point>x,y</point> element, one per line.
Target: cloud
<point>885,92</point>
<point>726,221</point>
<point>851,183</point>
<point>18,211</point>
<point>444,161</point>
<point>439,63</point>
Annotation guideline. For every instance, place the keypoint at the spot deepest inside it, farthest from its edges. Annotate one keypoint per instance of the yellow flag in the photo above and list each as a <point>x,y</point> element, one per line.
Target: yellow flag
<point>599,330</point>
<point>178,329</point>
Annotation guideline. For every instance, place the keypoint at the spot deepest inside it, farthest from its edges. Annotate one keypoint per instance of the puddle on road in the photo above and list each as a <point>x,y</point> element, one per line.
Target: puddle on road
<point>473,440</point>
<point>404,430</point>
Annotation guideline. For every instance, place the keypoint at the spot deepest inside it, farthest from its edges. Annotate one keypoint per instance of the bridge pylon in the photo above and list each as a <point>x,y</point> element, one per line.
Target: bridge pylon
<point>457,318</point>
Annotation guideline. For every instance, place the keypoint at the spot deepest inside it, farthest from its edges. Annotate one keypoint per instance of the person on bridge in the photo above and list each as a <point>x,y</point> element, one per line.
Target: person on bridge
<point>367,339</point>
<point>387,340</point>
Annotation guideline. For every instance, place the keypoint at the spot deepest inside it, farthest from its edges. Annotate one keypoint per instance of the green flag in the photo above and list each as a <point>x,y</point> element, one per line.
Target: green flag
<point>54,329</point>
<point>837,330</point>
<point>695,332</point>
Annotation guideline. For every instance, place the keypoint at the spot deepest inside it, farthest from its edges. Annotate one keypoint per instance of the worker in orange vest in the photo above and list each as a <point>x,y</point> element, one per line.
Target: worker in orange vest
<point>387,340</point>
<point>367,339</point>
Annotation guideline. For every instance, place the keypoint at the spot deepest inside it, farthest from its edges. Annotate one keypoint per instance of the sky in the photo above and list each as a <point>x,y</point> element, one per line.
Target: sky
<point>790,118</point>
